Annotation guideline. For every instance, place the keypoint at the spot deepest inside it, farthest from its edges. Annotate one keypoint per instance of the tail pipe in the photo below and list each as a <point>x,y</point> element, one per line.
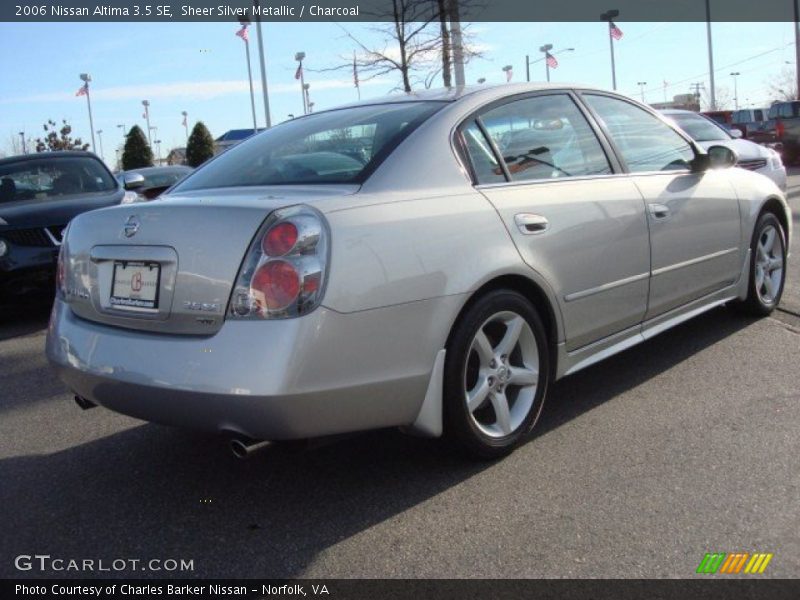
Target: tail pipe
<point>244,448</point>
<point>84,403</point>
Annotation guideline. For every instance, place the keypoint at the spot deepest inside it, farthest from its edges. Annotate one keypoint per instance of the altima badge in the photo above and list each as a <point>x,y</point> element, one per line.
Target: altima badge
<point>131,226</point>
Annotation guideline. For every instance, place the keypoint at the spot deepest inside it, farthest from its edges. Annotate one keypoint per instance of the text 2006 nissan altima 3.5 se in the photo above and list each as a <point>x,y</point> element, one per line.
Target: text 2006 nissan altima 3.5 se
<point>432,262</point>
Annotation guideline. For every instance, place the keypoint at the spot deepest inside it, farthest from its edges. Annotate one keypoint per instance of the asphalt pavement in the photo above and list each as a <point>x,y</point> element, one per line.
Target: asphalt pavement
<point>684,445</point>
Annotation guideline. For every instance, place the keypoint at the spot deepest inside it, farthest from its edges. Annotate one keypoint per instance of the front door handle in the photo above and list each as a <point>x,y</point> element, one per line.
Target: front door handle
<point>659,211</point>
<point>530,224</point>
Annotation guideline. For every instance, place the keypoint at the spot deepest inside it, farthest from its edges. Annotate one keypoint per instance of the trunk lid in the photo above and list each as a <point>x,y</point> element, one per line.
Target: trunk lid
<point>169,266</point>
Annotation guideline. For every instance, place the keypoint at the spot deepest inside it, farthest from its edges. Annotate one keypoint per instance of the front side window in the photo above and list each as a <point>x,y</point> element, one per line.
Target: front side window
<point>645,142</point>
<point>544,137</point>
<point>339,146</point>
<point>44,178</point>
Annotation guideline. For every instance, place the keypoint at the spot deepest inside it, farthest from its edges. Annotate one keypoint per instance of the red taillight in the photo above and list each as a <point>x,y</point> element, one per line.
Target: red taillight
<point>275,284</point>
<point>780,129</point>
<point>280,239</point>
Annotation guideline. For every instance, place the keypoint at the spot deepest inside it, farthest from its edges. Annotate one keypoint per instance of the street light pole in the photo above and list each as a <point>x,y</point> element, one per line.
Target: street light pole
<point>299,56</point>
<point>22,135</point>
<point>608,16</point>
<point>641,85</point>
<point>306,98</point>
<point>264,90</point>
<point>735,74</point>
<point>711,57</point>
<point>86,78</point>
<point>186,122</point>
<point>100,137</point>
<point>146,104</point>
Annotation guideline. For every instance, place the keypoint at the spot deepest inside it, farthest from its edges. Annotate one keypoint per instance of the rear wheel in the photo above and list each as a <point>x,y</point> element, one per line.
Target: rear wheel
<point>767,266</point>
<point>496,375</point>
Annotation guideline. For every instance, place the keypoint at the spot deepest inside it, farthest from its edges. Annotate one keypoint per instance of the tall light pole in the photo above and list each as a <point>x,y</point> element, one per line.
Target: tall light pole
<point>124,129</point>
<point>146,104</point>
<point>509,71</point>
<point>158,150</point>
<point>100,137</point>
<point>546,49</point>
<point>299,56</point>
<point>86,78</point>
<point>609,16</point>
<point>186,123</point>
<point>641,85</point>
<point>306,98</point>
<point>735,75</point>
<point>711,57</point>
<point>264,90</point>
<point>797,45</point>
<point>22,135</point>
<point>482,80</point>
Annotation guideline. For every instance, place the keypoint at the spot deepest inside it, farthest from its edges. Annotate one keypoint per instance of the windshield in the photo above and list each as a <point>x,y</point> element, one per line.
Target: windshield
<point>47,178</point>
<point>339,146</point>
<point>699,128</point>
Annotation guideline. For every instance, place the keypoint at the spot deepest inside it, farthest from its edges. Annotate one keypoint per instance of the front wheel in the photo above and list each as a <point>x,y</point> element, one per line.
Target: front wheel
<point>767,266</point>
<point>496,375</point>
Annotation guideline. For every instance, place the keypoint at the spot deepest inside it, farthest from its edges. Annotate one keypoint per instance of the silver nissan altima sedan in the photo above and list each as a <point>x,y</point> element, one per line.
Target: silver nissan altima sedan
<point>432,262</point>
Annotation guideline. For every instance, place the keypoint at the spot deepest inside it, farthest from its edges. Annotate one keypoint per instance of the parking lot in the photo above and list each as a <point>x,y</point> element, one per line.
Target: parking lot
<point>641,464</point>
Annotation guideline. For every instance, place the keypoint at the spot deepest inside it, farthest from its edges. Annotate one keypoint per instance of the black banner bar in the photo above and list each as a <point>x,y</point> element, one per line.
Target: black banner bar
<point>422,589</point>
<point>381,10</point>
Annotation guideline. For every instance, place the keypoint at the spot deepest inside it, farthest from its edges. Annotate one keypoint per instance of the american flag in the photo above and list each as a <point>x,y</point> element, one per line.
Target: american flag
<point>242,33</point>
<point>509,74</point>
<point>551,60</point>
<point>299,73</point>
<point>355,70</point>
<point>616,32</point>
<point>83,90</point>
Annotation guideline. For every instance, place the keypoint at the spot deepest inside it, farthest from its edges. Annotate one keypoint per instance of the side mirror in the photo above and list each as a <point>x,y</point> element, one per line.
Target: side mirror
<point>735,132</point>
<point>721,157</point>
<point>132,181</point>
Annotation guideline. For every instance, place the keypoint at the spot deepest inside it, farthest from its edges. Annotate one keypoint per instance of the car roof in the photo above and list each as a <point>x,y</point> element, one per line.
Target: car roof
<point>57,154</point>
<point>484,92</point>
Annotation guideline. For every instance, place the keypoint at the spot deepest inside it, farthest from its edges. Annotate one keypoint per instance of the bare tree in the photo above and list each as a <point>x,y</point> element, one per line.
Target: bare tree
<point>415,45</point>
<point>784,86</point>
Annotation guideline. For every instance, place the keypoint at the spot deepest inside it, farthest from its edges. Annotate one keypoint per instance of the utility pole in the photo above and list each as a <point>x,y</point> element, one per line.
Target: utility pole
<point>697,89</point>
<point>711,57</point>
<point>641,85</point>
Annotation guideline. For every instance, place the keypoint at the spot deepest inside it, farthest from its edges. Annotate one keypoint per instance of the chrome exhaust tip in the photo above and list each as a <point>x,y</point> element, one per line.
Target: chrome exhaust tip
<point>84,403</point>
<point>244,448</point>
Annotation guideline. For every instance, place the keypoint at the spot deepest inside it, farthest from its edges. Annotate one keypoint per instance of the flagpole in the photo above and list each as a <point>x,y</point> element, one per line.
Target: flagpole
<point>609,16</point>
<point>263,66</point>
<point>250,80</point>
<point>86,78</point>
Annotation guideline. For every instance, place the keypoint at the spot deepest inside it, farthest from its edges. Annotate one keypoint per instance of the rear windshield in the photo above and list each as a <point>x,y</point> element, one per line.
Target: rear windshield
<point>46,178</point>
<point>699,128</point>
<point>339,146</point>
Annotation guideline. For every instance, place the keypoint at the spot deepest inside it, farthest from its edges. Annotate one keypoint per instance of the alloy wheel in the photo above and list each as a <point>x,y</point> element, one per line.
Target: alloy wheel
<point>769,265</point>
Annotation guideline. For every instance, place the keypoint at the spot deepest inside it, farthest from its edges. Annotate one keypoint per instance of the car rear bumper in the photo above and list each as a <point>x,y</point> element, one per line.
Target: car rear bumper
<point>321,374</point>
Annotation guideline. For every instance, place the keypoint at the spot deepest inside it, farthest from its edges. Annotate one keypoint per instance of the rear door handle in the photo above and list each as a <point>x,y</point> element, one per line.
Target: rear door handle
<point>659,211</point>
<point>530,224</point>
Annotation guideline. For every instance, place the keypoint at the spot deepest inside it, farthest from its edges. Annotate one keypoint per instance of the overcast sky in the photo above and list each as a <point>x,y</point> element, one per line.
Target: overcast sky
<point>200,68</point>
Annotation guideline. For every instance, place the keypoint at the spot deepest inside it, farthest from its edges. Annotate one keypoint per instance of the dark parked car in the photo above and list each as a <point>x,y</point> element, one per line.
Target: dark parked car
<point>151,182</point>
<point>39,194</point>
<point>783,129</point>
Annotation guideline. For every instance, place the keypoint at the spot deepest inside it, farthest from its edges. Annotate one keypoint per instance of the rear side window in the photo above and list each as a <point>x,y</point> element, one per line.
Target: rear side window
<point>645,142</point>
<point>481,156</point>
<point>542,137</point>
<point>339,146</point>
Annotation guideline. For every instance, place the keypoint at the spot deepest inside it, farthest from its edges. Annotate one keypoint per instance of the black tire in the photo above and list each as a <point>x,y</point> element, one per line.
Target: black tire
<point>461,428</point>
<point>756,304</point>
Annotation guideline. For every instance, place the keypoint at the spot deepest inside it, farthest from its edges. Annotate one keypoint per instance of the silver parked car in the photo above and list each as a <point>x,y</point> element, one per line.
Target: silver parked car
<point>751,156</point>
<point>430,261</point>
